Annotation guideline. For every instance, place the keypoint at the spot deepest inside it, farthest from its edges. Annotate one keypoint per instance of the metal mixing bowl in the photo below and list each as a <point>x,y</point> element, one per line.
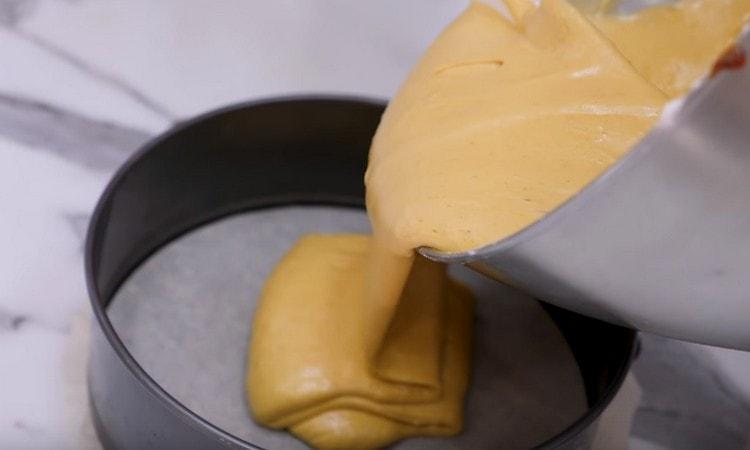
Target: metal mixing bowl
<point>661,241</point>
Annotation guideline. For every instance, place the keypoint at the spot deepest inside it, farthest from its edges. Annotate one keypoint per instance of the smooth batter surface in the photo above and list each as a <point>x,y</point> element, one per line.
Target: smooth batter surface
<point>503,120</point>
<point>507,115</point>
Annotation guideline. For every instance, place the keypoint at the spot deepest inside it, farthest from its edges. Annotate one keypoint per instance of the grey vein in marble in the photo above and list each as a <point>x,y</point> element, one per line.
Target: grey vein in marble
<point>79,223</point>
<point>93,143</point>
<point>10,321</point>
<point>12,11</point>
<point>95,73</point>
<point>13,322</point>
<point>686,403</point>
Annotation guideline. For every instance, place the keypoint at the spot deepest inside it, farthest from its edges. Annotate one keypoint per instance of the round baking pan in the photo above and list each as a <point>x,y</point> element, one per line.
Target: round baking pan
<point>302,151</point>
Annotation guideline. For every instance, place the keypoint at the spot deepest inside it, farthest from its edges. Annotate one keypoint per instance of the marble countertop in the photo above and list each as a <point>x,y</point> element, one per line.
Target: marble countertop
<point>85,82</point>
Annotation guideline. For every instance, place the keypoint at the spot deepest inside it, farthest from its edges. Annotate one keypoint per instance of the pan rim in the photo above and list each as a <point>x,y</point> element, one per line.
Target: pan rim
<point>155,389</point>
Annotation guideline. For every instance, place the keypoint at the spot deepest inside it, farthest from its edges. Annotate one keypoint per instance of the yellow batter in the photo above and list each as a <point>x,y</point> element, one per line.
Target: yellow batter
<point>310,370</point>
<point>356,345</point>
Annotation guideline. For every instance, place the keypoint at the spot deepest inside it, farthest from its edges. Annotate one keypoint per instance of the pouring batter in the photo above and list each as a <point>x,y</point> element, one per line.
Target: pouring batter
<point>509,113</point>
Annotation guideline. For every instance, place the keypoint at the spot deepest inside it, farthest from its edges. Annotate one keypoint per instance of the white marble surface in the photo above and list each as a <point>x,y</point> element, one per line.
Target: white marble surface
<point>84,82</point>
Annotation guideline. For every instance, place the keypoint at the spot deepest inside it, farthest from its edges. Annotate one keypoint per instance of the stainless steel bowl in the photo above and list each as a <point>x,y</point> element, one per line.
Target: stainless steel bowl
<point>661,241</point>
